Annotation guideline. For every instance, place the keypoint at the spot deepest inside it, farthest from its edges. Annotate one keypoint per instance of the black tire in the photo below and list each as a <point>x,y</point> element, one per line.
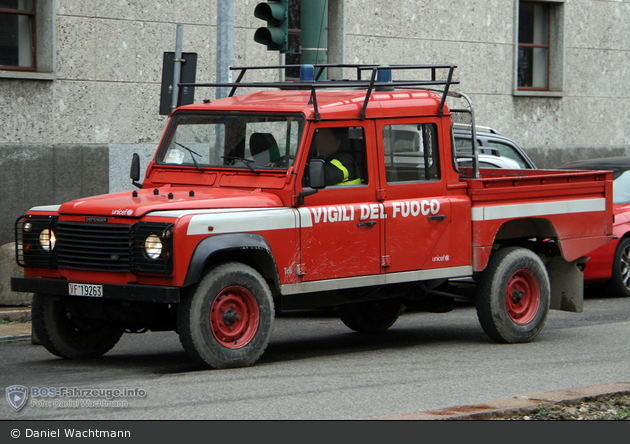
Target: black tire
<point>513,296</point>
<point>370,316</point>
<point>243,296</point>
<point>619,283</point>
<point>67,336</point>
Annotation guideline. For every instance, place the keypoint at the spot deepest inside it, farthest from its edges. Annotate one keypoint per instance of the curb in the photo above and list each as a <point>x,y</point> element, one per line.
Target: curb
<point>519,405</point>
<point>16,325</point>
<point>15,314</point>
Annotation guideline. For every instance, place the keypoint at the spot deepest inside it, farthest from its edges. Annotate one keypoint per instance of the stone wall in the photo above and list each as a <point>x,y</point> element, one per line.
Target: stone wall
<point>74,135</point>
<point>590,119</point>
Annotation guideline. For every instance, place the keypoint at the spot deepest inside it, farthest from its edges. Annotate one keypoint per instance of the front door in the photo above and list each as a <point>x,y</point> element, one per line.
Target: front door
<point>341,226</point>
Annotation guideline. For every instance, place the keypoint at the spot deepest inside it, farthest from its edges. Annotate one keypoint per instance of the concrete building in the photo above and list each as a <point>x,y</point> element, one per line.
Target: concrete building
<point>549,74</point>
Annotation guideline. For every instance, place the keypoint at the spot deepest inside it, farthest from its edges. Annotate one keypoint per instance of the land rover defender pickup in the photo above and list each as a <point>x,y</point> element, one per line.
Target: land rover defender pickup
<point>244,213</point>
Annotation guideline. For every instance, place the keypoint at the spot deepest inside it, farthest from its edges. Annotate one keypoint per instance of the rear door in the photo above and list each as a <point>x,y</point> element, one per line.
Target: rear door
<point>413,193</point>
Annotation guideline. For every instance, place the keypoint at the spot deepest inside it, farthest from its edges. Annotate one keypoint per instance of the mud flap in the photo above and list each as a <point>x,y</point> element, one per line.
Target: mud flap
<point>567,284</point>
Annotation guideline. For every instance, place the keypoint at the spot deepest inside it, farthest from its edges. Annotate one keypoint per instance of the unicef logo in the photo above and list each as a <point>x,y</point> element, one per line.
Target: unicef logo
<point>122,212</point>
<point>444,258</point>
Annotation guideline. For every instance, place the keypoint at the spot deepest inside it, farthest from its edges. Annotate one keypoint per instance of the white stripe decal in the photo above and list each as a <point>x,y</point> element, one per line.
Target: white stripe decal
<point>538,209</point>
<point>306,217</point>
<point>380,279</point>
<point>243,222</point>
<point>181,213</point>
<point>50,208</point>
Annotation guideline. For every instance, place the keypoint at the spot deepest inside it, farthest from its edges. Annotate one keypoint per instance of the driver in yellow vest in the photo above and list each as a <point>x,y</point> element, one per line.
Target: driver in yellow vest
<point>341,169</point>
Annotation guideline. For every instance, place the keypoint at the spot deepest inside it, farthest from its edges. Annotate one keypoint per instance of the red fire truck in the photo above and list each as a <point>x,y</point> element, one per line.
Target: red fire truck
<point>307,194</point>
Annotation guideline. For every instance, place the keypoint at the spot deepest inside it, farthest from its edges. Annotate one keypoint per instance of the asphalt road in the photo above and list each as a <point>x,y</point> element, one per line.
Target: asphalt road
<point>317,369</point>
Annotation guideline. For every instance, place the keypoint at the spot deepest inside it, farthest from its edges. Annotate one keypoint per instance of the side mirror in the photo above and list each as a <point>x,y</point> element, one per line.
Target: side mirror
<point>134,174</point>
<point>317,174</point>
<point>316,179</point>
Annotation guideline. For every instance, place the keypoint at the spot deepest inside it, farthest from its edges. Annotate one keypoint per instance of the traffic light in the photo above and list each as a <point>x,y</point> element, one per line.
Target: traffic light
<point>275,35</point>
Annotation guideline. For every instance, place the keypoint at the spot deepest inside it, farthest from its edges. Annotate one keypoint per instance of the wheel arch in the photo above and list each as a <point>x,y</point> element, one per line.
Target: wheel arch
<point>248,248</point>
<point>519,232</point>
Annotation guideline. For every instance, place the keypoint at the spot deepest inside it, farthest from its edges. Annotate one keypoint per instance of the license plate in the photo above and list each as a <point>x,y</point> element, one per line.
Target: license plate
<point>94,291</point>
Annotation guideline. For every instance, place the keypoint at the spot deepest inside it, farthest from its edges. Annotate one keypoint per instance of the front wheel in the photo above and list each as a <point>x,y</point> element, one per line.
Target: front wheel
<point>68,335</point>
<point>370,316</point>
<point>619,283</point>
<point>513,296</point>
<point>228,320</point>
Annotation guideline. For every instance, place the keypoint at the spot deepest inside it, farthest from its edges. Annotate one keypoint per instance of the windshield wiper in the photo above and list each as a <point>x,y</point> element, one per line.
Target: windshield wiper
<point>247,162</point>
<point>192,154</point>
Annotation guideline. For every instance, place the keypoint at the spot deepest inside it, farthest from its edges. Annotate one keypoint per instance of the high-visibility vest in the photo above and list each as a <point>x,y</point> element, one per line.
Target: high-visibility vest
<point>346,174</point>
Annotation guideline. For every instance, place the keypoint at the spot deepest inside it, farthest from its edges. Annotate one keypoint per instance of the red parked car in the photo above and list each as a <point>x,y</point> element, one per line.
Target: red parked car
<point>610,264</point>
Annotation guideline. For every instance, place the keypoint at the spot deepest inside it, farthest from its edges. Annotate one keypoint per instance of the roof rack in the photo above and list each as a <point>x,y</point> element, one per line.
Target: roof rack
<point>378,81</point>
<point>486,129</point>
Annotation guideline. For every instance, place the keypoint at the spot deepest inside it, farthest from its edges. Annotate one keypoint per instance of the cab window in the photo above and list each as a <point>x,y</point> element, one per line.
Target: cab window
<point>411,153</point>
<point>343,150</point>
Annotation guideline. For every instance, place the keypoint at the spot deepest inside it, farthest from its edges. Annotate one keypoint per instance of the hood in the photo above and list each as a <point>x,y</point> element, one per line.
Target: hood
<point>167,198</point>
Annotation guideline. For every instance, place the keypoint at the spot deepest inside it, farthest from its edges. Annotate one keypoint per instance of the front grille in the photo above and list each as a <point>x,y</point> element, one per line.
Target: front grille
<point>98,247</point>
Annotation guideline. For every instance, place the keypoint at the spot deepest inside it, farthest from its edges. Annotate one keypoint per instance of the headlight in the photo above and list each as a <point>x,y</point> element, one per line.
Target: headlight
<point>153,246</point>
<point>47,240</point>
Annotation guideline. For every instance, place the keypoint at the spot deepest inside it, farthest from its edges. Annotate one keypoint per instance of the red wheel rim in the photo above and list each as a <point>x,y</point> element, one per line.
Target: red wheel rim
<point>522,297</point>
<point>234,317</point>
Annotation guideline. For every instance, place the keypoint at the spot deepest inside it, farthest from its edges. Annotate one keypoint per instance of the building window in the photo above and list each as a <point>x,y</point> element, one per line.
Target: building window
<point>540,47</point>
<point>533,45</point>
<point>27,39</point>
<point>17,35</point>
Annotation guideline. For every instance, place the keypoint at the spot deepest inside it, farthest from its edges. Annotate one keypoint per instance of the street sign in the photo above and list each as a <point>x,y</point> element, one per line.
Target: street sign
<point>188,75</point>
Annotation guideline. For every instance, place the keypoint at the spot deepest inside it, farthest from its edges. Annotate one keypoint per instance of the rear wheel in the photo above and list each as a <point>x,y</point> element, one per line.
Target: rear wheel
<point>370,316</point>
<point>513,296</point>
<point>619,283</point>
<point>228,320</point>
<point>68,335</point>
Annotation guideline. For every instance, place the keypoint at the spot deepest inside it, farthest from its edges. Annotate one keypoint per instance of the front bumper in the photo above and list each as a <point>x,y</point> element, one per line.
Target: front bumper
<point>143,293</point>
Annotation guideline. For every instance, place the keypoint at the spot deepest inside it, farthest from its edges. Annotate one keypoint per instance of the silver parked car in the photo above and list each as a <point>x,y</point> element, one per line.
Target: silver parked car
<point>491,144</point>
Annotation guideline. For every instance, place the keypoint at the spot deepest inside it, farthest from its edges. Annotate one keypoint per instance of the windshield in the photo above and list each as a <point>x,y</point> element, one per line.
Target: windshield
<point>236,141</point>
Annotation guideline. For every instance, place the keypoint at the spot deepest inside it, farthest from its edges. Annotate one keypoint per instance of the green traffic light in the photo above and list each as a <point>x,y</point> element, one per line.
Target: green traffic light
<point>275,35</point>
<point>272,37</point>
<point>274,13</point>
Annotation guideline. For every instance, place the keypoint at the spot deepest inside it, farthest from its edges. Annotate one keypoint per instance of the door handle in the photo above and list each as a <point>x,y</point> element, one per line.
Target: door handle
<point>366,224</point>
<point>439,218</point>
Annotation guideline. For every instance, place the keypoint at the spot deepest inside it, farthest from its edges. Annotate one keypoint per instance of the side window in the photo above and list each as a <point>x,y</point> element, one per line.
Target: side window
<point>411,153</point>
<point>509,152</point>
<point>343,150</point>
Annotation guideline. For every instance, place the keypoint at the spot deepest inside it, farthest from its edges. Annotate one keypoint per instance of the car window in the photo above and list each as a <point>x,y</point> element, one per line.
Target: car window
<point>621,188</point>
<point>344,151</point>
<point>508,151</point>
<point>411,153</point>
<point>464,143</point>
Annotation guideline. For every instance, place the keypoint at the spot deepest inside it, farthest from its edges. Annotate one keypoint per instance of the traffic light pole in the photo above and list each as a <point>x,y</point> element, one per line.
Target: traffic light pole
<point>315,32</point>
<point>225,44</point>
<point>177,67</point>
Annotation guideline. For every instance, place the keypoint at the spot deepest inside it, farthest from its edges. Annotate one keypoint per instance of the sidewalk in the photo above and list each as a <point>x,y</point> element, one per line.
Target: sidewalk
<point>523,404</point>
<point>15,323</point>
